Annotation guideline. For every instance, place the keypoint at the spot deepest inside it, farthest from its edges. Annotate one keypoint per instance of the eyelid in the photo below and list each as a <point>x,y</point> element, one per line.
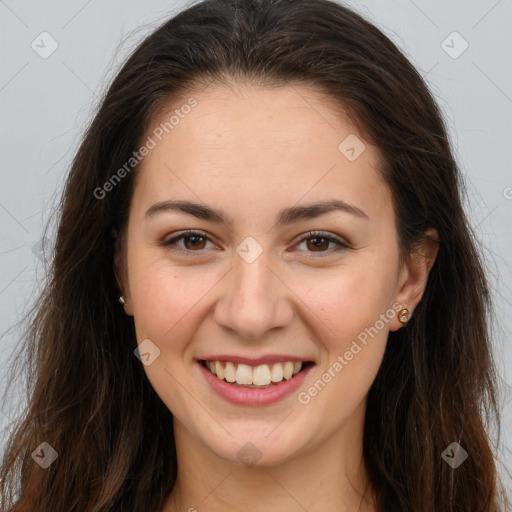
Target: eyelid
<point>340,242</point>
<point>182,234</point>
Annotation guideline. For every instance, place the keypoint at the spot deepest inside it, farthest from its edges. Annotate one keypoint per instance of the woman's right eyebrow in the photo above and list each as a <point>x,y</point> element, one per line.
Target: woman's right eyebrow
<point>285,217</point>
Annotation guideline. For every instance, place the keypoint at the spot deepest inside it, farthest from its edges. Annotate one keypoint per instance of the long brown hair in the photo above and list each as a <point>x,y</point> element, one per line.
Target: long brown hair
<point>89,397</point>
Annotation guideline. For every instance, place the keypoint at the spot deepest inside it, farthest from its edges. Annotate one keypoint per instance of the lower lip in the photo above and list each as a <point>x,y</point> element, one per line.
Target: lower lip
<point>253,396</point>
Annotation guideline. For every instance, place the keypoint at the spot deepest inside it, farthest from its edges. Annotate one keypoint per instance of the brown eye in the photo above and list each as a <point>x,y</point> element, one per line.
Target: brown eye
<point>194,242</point>
<point>320,242</point>
<point>189,242</point>
<point>317,243</point>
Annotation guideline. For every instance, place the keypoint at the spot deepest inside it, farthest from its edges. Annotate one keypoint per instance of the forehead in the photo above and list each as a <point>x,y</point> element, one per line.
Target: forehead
<point>261,145</point>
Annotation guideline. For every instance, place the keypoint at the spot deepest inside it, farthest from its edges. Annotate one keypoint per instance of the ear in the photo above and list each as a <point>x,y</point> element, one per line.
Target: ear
<point>414,274</point>
<point>121,273</point>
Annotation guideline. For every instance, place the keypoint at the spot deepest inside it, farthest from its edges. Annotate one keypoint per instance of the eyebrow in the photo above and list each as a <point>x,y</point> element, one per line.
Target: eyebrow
<point>285,216</point>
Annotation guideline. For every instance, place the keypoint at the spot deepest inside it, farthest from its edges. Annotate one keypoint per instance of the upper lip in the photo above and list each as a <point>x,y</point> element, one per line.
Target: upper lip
<point>255,361</point>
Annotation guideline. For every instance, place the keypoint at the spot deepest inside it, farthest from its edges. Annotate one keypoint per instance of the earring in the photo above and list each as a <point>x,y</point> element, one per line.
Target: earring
<point>403,316</point>
<point>121,300</point>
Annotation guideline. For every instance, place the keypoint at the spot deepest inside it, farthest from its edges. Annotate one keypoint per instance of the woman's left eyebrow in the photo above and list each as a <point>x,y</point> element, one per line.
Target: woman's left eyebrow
<point>286,216</point>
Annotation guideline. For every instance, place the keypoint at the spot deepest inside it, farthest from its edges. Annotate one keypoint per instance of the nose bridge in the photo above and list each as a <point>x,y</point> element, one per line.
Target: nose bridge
<point>253,300</point>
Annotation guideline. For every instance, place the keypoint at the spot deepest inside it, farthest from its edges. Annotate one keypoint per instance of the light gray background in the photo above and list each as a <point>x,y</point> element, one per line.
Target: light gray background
<point>46,104</point>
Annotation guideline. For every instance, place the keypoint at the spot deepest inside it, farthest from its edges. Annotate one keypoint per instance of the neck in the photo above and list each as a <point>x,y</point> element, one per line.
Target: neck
<point>330,477</point>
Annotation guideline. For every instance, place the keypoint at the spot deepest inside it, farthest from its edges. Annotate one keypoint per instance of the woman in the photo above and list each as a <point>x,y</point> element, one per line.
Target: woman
<point>265,294</point>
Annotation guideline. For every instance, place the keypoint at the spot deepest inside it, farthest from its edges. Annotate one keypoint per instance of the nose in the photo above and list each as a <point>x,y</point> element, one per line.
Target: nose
<point>254,299</point>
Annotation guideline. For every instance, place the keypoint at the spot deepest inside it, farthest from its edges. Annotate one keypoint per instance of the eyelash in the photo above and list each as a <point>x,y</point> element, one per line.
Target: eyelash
<point>341,244</point>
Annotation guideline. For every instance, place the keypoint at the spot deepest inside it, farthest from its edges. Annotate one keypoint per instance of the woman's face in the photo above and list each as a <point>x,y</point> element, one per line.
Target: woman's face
<point>251,171</point>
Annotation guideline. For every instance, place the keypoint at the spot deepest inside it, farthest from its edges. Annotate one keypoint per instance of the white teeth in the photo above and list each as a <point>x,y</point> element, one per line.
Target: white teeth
<point>288,370</point>
<point>262,375</point>
<point>277,372</point>
<point>229,372</point>
<point>244,374</point>
<point>218,370</point>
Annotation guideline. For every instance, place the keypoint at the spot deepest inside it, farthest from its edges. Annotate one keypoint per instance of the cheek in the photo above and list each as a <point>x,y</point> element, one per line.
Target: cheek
<point>352,298</point>
<point>165,298</point>
<point>353,303</point>
<point>167,304</point>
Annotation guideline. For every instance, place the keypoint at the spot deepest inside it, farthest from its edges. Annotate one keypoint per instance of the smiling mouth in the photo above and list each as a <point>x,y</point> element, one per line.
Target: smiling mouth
<point>260,377</point>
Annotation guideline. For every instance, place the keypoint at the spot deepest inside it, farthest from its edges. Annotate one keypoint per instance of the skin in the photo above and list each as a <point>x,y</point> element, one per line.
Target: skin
<point>251,152</point>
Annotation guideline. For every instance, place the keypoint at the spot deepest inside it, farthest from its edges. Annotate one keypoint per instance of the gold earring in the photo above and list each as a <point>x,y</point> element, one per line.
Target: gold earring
<point>121,300</point>
<point>403,316</point>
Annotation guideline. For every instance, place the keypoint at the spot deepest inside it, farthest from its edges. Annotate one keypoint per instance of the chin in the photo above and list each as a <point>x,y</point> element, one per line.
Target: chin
<point>256,447</point>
